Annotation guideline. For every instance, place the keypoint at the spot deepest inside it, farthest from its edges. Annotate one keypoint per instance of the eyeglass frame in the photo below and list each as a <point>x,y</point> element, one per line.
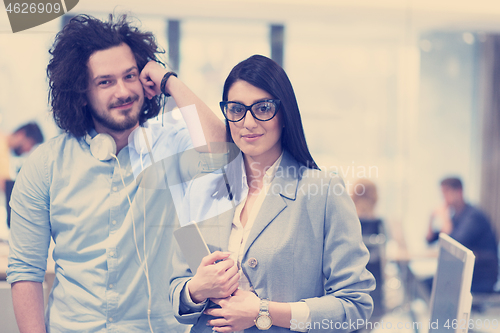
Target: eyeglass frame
<point>277,102</point>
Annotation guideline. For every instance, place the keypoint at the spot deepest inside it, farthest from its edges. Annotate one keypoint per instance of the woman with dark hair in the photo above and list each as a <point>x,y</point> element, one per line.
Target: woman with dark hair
<point>287,253</point>
<point>267,75</point>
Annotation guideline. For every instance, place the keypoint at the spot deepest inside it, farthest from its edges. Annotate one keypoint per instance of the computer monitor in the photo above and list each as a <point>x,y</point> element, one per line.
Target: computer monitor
<point>451,298</point>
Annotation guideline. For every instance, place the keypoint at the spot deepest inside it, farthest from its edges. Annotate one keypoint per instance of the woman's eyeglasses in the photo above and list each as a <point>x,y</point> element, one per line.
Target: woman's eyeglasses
<point>262,110</point>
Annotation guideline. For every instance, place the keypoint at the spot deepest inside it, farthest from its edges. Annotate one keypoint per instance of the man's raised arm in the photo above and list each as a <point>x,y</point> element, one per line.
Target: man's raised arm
<point>213,128</point>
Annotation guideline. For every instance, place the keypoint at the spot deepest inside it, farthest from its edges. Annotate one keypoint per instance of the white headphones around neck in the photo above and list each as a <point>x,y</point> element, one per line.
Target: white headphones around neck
<point>102,146</point>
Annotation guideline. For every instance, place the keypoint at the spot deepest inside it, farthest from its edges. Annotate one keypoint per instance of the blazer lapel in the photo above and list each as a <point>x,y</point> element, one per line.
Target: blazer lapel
<point>284,185</point>
<point>224,222</point>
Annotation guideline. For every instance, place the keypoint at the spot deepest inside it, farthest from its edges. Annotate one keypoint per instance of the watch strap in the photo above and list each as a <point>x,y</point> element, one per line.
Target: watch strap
<point>264,306</point>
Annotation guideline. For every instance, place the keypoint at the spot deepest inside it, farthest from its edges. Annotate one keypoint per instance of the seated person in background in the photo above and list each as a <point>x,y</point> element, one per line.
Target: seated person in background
<point>20,142</point>
<point>469,226</point>
<point>365,198</point>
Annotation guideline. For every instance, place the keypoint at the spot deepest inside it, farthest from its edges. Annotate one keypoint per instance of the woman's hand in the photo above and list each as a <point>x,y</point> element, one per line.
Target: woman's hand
<point>214,278</point>
<point>151,76</point>
<point>236,312</point>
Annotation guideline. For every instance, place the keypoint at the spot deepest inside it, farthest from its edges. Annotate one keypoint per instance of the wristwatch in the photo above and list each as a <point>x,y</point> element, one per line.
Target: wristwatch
<point>263,320</point>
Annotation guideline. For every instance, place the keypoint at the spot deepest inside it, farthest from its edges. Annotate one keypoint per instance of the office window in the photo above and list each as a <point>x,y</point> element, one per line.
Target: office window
<point>209,49</point>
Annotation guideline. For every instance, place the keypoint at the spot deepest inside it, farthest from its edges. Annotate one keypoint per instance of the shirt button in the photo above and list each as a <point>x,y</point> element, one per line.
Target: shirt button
<point>111,254</point>
<point>115,188</point>
<point>110,319</point>
<point>111,286</point>
<point>252,262</point>
<point>114,222</point>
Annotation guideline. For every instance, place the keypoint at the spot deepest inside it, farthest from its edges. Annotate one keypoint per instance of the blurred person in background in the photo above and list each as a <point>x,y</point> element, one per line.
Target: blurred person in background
<point>365,197</point>
<point>469,226</point>
<point>20,142</point>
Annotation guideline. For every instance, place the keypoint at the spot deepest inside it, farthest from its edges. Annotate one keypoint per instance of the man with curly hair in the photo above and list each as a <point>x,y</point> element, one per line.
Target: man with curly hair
<point>111,228</point>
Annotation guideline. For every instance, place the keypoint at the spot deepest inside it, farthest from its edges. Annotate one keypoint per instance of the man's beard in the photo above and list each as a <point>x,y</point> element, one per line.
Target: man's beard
<point>109,122</point>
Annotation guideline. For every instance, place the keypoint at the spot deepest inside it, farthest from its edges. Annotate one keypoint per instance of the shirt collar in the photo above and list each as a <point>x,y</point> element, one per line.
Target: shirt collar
<point>135,140</point>
<point>268,177</point>
<point>271,172</point>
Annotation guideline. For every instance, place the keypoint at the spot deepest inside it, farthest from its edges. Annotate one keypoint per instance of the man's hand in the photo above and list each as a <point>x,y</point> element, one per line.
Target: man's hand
<point>440,219</point>
<point>237,312</point>
<point>151,77</point>
<point>212,129</point>
<point>443,214</point>
<point>214,278</point>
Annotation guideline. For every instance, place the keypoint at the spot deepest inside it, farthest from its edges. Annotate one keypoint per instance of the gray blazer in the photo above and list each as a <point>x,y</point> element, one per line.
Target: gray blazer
<point>305,245</point>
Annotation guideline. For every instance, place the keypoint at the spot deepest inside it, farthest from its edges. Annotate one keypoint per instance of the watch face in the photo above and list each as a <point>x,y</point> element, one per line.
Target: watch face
<point>263,322</point>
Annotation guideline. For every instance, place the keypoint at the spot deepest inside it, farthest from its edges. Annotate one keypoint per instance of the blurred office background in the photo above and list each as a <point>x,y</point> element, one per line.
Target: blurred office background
<point>401,92</point>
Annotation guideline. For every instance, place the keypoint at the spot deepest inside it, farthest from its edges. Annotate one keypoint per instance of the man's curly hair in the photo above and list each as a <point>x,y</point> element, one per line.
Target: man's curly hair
<point>68,74</point>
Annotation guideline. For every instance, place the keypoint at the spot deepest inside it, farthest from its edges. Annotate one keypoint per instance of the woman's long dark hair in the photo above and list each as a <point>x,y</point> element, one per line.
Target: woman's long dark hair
<point>68,73</point>
<point>266,74</point>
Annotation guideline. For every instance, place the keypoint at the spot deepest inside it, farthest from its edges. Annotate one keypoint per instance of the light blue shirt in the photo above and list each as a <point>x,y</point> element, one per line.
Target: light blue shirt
<point>65,193</point>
